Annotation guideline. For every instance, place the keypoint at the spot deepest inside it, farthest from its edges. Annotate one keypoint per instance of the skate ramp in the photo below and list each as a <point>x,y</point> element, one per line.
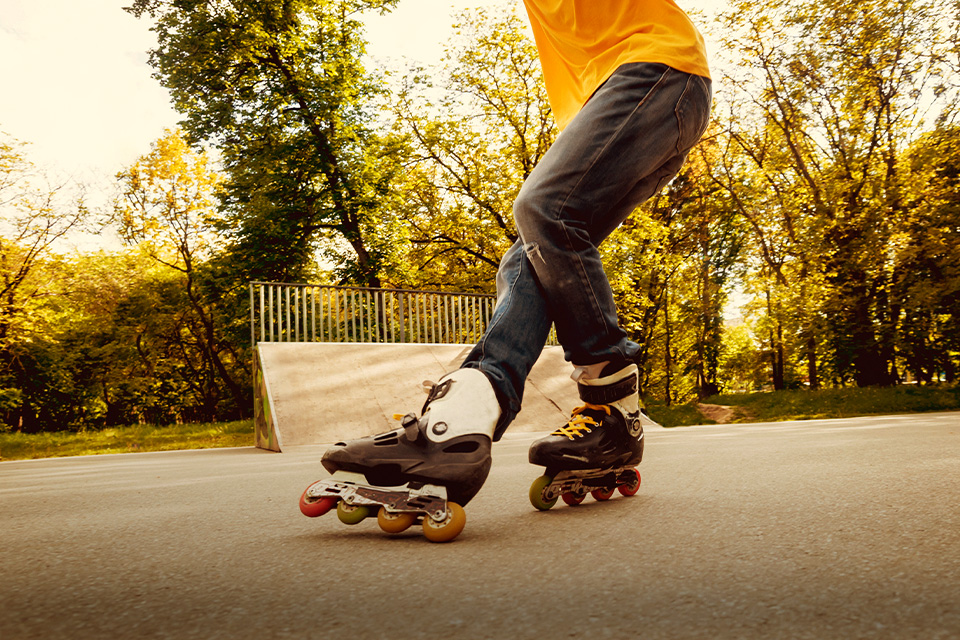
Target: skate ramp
<point>320,392</point>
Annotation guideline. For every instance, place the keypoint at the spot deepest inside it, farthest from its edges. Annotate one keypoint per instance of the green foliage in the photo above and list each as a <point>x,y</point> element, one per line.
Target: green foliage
<point>927,263</point>
<point>121,349</point>
<point>822,108</point>
<point>33,215</point>
<point>742,367</point>
<point>280,90</point>
<point>477,127</point>
<point>671,266</point>
<point>10,401</point>
<point>167,210</point>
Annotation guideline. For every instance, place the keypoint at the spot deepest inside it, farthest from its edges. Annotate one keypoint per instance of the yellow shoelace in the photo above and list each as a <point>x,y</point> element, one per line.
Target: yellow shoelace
<point>580,424</point>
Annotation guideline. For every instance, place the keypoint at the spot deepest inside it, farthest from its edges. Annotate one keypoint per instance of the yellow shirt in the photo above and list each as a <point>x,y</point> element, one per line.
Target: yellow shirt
<point>582,42</point>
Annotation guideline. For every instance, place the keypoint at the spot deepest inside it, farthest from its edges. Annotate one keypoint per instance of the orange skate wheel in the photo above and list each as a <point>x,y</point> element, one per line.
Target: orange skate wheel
<point>315,507</point>
<point>632,488</point>
<point>602,494</point>
<point>395,522</point>
<point>447,530</point>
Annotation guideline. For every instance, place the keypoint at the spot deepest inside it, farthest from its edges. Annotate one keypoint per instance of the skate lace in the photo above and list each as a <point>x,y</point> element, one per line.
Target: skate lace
<point>580,424</point>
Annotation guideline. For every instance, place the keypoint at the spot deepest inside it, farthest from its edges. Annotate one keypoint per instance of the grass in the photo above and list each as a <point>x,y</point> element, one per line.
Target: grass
<point>680,415</point>
<point>774,406</point>
<point>25,446</point>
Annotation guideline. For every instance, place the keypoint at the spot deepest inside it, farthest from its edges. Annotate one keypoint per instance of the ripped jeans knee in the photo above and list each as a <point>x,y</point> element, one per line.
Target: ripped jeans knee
<point>532,249</point>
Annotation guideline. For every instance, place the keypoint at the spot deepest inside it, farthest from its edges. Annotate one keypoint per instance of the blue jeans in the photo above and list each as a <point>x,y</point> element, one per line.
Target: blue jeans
<point>627,142</point>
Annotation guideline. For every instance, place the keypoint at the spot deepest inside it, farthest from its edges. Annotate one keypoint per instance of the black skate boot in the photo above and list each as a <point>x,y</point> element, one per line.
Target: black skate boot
<point>429,468</point>
<point>599,449</point>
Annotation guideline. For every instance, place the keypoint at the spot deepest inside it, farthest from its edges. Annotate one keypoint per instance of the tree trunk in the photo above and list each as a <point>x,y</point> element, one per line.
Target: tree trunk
<point>668,361</point>
<point>776,348</point>
<point>812,373</point>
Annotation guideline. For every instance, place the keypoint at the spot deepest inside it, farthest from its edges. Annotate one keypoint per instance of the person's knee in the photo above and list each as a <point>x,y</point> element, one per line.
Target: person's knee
<point>537,225</point>
<point>525,213</point>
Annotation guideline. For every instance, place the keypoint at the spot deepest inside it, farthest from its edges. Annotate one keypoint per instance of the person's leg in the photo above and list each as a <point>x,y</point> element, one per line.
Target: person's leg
<point>627,142</point>
<point>515,335</point>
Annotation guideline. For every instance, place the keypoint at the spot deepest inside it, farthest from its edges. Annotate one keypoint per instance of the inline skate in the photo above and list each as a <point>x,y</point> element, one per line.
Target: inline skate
<point>598,450</point>
<point>426,470</point>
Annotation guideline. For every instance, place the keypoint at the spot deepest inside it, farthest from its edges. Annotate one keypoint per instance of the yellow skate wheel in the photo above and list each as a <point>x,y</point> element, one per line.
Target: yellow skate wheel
<point>351,513</point>
<point>447,530</point>
<point>537,489</point>
<point>395,522</point>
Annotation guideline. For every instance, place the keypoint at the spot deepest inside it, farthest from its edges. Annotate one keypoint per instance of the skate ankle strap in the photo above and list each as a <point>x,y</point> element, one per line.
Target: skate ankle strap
<point>608,393</point>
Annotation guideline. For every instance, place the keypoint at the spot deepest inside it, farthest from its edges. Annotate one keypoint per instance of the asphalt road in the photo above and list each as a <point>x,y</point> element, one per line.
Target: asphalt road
<point>820,529</point>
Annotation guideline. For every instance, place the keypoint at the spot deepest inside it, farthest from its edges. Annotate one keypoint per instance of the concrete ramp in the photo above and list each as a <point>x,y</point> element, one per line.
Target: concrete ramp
<point>321,392</point>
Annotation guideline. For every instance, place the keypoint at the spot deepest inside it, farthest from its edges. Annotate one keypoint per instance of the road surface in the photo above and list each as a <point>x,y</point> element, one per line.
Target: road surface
<point>819,529</point>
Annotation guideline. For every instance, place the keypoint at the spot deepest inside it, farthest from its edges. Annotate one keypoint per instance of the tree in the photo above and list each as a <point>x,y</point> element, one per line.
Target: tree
<point>33,215</point>
<point>671,265</point>
<point>741,362</point>
<point>167,209</point>
<point>280,91</point>
<point>825,102</point>
<point>927,258</point>
<point>472,148</point>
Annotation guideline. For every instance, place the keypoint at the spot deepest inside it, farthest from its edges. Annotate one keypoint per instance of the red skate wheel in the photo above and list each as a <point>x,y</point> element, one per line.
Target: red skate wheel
<point>315,507</point>
<point>602,494</point>
<point>632,488</point>
<point>573,499</point>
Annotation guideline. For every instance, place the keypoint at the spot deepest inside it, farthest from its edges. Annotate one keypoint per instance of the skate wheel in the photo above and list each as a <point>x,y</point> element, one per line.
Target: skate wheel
<point>573,499</point>
<point>395,522</point>
<point>447,530</point>
<point>537,490</point>
<point>632,488</point>
<point>602,494</point>
<point>315,507</point>
<point>351,513</point>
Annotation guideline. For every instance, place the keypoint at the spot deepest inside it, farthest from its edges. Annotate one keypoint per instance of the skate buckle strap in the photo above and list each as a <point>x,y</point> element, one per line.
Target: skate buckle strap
<point>435,392</point>
<point>411,426</point>
<point>580,424</point>
<point>608,393</point>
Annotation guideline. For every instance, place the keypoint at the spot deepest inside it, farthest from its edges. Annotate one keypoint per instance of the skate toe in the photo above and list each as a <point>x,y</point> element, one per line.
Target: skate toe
<point>547,451</point>
<point>343,455</point>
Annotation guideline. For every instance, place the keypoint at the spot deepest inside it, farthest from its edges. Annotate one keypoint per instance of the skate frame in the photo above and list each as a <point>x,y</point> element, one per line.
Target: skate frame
<point>413,497</point>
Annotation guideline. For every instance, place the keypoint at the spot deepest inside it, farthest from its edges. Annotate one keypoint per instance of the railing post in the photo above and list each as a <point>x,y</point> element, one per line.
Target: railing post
<point>296,314</point>
<point>270,290</point>
<point>253,335</point>
<point>263,325</point>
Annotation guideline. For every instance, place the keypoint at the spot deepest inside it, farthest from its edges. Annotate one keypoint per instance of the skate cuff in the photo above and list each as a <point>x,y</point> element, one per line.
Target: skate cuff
<point>608,393</point>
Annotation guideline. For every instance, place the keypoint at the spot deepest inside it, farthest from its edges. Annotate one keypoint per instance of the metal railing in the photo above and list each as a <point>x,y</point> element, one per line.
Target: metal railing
<point>292,312</point>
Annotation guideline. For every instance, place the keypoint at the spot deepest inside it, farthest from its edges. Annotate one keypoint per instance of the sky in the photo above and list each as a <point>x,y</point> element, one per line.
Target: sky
<point>76,86</point>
